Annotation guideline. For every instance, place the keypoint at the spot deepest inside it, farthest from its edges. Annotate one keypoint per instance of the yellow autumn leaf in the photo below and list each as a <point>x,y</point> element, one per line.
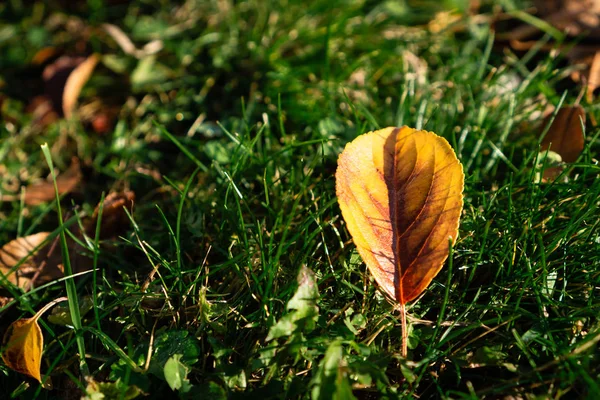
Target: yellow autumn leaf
<point>23,344</point>
<point>400,192</point>
<point>23,347</point>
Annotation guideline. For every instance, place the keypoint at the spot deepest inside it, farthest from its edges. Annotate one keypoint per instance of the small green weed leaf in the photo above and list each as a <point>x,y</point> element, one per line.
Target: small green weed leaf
<point>121,370</point>
<point>368,369</point>
<point>307,294</point>
<point>330,381</point>
<point>148,72</point>
<point>110,390</point>
<point>219,349</point>
<point>60,315</point>
<point>284,327</point>
<point>488,356</point>
<point>235,377</point>
<point>20,390</point>
<point>210,390</point>
<point>303,307</point>
<point>350,327</point>
<point>414,337</point>
<point>170,343</point>
<point>407,372</point>
<point>534,333</point>
<point>355,324</point>
<point>176,374</point>
<point>215,150</point>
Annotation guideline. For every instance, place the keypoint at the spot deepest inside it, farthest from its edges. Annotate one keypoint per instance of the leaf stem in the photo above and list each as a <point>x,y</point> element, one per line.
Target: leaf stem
<point>404,352</point>
<point>47,306</point>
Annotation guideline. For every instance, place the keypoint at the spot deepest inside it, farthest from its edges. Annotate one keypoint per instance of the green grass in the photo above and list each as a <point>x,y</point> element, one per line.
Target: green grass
<point>227,214</point>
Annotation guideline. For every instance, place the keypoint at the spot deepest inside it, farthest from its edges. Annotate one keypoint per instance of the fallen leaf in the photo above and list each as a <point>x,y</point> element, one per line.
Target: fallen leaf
<point>42,192</point>
<point>577,19</point>
<point>43,55</point>
<point>42,110</point>
<point>593,77</point>
<point>23,347</point>
<point>114,218</point>
<point>400,193</point>
<point>4,301</point>
<point>108,390</point>
<point>75,82</point>
<point>23,343</point>
<point>38,265</point>
<point>55,77</point>
<point>65,78</point>
<point>45,263</point>
<point>565,136</point>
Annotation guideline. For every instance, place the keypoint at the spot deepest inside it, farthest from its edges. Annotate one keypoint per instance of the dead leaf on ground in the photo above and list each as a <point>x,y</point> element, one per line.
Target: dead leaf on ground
<point>563,142</point>
<point>75,82</point>
<point>400,193</point>
<point>23,347</point>
<point>42,110</point>
<point>5,300</point>
<point>114,218</point>
<point>23,344</point>
<point>65,78</point>
<point>579,20</point>
<point>44,55</point>
<point>593,76</point>
<point>565,136</point>
<point>45,264</point>
<point>572,16</point>
<point>39,265</point>
<point>42,192</point>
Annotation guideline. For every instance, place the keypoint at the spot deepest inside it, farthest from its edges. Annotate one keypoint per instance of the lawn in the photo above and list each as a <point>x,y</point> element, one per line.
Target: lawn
<point>209,253</point>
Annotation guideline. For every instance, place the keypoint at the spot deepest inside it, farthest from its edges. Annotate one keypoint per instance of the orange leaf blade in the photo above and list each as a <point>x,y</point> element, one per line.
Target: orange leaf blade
<point>400,192</point>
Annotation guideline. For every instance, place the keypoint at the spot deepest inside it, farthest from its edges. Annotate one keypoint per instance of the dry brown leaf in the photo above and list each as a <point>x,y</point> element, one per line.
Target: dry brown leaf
<point>565,136</point>
<point>571,16</point>
<point>114,217</point>
<point>23,344</point>
<point>38,263</point>
<point>45,263</point>
<point>75,82</point>
<point>400,192</point>
<point>42,192</point>
<point>5,300</point>
<point>55,77</point>
<point>593,77</point>
<point>42,110</point>
<point>44,55</point>
<point>64,80</point>
<point>580,20</point>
